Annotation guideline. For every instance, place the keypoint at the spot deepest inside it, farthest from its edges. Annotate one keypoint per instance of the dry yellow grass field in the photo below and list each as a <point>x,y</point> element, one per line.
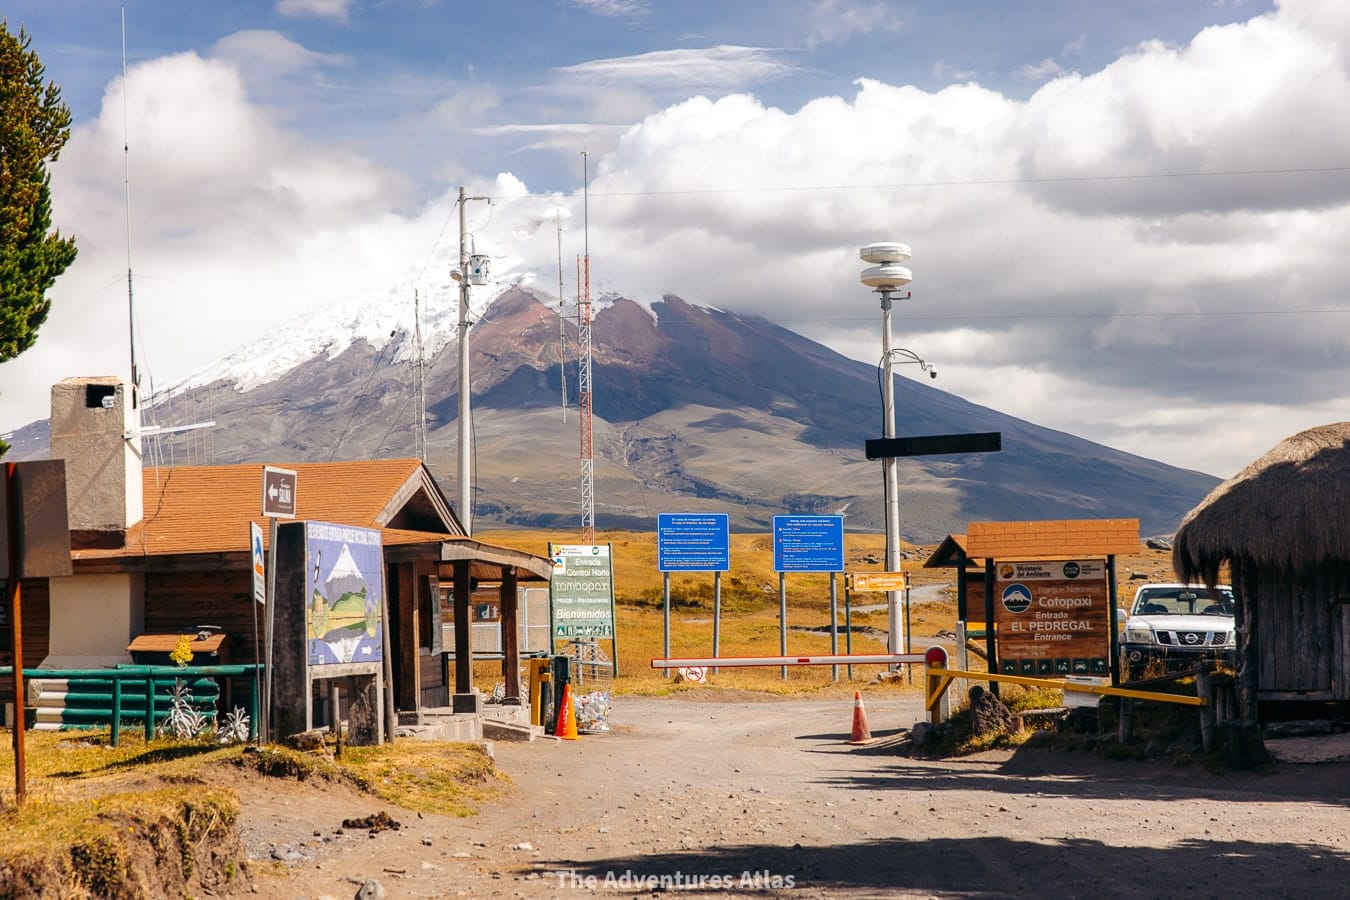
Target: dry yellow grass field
<point>749,621</point>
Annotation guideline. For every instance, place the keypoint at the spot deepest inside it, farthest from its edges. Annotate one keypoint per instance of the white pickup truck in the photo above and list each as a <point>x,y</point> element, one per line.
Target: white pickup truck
<point>1171,626</point>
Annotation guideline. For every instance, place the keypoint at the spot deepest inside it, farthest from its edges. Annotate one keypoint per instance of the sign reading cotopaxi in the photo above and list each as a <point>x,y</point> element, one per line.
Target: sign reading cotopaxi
<point>1052,617</point>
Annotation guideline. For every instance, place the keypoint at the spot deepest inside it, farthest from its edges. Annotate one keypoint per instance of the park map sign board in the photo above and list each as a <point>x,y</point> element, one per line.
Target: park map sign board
<point>1052,617</point>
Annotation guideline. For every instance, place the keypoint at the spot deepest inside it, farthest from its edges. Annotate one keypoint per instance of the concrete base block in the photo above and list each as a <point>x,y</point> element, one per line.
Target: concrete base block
<point>445,728</point>
<point>506,712</point>
<point>496,730</point>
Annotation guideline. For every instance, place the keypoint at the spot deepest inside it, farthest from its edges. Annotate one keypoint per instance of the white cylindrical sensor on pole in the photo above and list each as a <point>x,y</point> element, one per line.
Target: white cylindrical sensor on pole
<point>887,276</point>
<point>885,252</point>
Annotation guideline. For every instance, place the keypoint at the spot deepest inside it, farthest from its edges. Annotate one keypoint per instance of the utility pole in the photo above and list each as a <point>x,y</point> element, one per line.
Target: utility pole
<point>462,275</point>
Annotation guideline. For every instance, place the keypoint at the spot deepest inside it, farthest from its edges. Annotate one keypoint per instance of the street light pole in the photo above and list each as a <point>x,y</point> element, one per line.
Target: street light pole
<point>886,276</point>
<point>891,478</point>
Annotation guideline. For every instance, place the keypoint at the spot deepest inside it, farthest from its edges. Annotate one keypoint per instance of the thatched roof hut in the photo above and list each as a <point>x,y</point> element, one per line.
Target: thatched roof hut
<point>1288,509</point>
<point>1282,525</point>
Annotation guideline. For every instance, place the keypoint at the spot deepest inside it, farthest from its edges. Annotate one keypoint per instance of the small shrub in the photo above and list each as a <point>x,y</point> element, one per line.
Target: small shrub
<point>183,721</point>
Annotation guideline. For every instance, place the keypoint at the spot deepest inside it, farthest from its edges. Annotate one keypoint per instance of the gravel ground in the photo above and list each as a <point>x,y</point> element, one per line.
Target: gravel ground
<point>716,796</point>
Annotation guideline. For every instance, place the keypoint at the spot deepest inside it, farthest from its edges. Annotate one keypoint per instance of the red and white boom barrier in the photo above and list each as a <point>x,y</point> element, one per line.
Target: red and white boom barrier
<point>731,662</point>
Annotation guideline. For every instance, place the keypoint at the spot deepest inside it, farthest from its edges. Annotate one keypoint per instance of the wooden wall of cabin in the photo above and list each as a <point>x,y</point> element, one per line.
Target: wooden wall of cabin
<point>179,602</point>
<point>1301,628</point>
<point>35,617</point>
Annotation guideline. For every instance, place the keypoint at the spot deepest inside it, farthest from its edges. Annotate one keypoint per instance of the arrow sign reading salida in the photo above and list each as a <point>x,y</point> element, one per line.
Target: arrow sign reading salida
<point>278,493</point>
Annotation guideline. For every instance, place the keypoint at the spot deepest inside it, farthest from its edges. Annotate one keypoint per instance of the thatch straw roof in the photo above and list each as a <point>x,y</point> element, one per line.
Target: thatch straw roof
<point>1289,509</point>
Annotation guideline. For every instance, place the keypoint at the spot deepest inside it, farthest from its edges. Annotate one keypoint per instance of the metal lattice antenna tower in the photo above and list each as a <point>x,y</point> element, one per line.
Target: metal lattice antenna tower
<point>584,368</point>
<point>562,327</point>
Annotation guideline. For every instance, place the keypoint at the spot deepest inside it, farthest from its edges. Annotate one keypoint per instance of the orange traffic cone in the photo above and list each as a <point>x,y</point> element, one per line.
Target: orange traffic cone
<point>566,729</point>
<point>861,733</point>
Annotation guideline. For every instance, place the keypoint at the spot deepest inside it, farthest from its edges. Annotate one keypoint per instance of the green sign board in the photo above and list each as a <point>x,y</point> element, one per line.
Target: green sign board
<point>582,591</point>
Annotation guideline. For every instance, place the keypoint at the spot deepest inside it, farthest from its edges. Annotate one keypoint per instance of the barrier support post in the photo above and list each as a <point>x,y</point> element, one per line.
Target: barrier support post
<point>1125,729</point>
<point>938,702</point>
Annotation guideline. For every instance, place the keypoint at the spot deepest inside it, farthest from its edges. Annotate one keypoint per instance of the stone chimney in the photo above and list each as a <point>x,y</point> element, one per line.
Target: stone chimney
<point>93,428</point>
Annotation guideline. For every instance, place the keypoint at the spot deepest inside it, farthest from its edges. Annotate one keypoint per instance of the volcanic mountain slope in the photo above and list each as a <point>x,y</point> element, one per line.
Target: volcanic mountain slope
<point>694,409</point>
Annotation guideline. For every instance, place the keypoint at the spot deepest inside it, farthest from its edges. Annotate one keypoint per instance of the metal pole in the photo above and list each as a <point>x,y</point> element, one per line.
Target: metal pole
<point>717,616</point>
<point>665,613</point>
<point>834,625</point>
<point>891,478</point>
<point>782,619</point>
<point>909,670</point>
<point>465,490</point>
<point>848,626</point>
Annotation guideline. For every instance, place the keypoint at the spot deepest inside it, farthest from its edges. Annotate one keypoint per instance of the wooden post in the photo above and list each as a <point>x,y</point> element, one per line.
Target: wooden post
<point>463,637</point>
<point>990,644</point>
<point>15,601</point>
<point>1246,587</point>
<point>510,619</point>
<point>1126,729</point>
<point>14,598</point>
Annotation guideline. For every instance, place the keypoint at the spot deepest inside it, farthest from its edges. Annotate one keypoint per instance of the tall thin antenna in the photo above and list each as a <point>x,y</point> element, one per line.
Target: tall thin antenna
<point>126,162</point>
<point>584,367</point>
<point>562,326</point>
<point>419,377</point>
<point>140,430</point>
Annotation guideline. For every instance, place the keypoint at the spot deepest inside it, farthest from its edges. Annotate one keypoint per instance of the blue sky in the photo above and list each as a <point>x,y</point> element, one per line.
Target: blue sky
<point>1127,217</point>
<point>415,81</point>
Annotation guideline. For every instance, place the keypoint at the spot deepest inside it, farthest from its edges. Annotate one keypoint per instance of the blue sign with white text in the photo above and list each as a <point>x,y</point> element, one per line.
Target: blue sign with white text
<point>808,543</point>
<point>693,542</point>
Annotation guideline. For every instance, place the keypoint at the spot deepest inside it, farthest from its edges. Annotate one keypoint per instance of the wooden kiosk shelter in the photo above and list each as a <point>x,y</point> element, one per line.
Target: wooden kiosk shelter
<point>160,552</point>
<point>1282,526</point>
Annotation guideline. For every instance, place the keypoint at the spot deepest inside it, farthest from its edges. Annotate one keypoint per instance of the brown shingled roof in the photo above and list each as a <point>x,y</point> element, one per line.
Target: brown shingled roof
<point>205,509</point>
<point>1067,537</point>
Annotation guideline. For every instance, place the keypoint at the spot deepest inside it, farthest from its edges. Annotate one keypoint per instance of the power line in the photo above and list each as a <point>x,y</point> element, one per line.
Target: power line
<point>955,182</point>
<point>974,317</point>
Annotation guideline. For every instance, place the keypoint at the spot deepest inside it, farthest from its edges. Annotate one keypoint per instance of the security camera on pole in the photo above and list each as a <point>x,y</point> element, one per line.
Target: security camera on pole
<point>886,276</point>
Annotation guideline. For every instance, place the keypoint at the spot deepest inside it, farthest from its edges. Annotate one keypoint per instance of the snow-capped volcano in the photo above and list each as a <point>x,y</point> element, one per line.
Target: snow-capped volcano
<point>695,409</point>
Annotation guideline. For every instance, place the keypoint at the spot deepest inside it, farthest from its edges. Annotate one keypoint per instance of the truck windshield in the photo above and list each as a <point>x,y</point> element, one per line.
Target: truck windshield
<point>1184,601</point>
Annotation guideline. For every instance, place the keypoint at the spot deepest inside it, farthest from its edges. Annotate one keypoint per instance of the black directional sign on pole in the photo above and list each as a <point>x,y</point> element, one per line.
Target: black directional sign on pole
<point>933,445</point>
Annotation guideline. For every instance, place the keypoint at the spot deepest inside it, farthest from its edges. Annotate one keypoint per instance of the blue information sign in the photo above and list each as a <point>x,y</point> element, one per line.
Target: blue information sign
<point>808,543</point>
<point>692,542</point>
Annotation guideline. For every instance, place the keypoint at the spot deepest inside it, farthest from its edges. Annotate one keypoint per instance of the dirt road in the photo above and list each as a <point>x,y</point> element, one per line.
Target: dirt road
<point>714,797</point>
